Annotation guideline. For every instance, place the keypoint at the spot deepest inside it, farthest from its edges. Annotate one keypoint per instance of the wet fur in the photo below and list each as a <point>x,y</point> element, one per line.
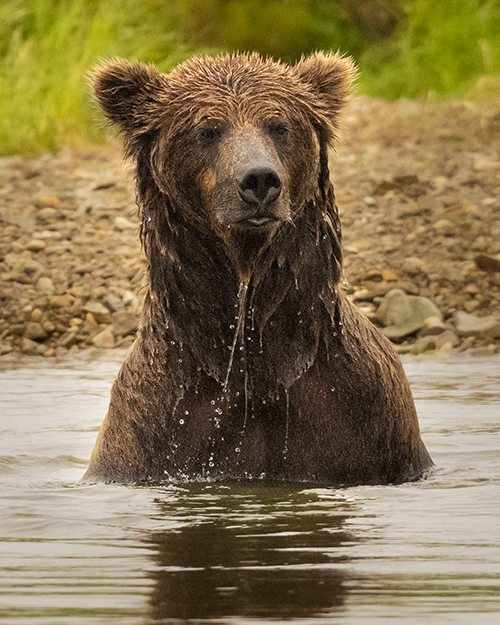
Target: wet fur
<point>314,392</point>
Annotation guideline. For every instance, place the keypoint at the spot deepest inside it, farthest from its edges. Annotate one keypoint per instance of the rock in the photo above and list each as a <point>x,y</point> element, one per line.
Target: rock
<point>124,224</point>
<point>446,338</point>
<point>487,263</point>
<point>444,227</point>
<point>100,313</point>
<point>104,339</point>
<point>483,327</point>
<point>368,295</point>
<point>62,301</point>
<point>36,315</point>
<point>29,347</point>
<point>35,245</point>
<point>48,326</point>
<point>45,285</point>
<point>5,348</point>
<point>432,327</point>
<point>47,214</point>
<point>68,340</point>
<point>48,200</point>
<point>412,266</point>
<point>472,305</point>
<point>397,334</point>
<point>402,310</point>
<point>35,332</point>
<point>422,345</point>
<point>28,272</point>
<point>481,352</point>
<point>124,322</point>
<point>113,302</point>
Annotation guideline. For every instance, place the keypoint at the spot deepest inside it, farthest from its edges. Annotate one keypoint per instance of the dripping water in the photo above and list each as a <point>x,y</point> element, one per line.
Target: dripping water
<point>285,448</point>
<point>240,326</point>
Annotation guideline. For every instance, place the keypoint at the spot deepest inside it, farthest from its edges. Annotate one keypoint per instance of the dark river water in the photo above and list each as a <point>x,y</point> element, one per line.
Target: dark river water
<point>427,552</point>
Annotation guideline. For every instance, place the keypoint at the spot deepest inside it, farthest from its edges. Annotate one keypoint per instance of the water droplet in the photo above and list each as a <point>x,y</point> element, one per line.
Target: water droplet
<point>333,389</point>
<point>218,411</point>
<point>336,355</point>
<point>172,342</point>
<point>237,450</point>
<point>181,421</point>
<point>187,412</point>
<point>213,402</point>
<point>231,327</point>
<point>151,361</point>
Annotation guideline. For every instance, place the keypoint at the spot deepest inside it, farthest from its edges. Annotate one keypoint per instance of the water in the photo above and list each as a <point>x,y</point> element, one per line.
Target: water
<point>418,553</point>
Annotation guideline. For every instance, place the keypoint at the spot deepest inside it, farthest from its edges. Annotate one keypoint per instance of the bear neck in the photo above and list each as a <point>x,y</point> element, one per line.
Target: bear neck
<point>290,301</point>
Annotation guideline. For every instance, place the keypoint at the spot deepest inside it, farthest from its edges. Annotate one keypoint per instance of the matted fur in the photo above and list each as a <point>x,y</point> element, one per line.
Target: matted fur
<point>250,361</point>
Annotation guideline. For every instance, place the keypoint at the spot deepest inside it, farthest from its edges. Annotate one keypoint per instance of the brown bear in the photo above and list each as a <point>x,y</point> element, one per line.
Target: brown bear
<point>250,362</point>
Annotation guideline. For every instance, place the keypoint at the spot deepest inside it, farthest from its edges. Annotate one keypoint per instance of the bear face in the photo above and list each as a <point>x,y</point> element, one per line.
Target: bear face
<point>236,142</point>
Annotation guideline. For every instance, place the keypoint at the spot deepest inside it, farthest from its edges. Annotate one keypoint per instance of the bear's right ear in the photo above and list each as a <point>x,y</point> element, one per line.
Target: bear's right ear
<point>128,94</point>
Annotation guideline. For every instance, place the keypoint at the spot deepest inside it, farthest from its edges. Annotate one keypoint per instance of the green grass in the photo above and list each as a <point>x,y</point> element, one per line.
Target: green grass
<point>47,48</point>
<point>442,47</point>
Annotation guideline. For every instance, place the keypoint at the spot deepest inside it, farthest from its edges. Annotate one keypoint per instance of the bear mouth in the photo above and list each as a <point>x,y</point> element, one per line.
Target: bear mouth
<point>258,222</point>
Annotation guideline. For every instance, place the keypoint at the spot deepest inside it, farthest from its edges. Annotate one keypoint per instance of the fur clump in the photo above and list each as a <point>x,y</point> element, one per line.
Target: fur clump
<point>250,360</point>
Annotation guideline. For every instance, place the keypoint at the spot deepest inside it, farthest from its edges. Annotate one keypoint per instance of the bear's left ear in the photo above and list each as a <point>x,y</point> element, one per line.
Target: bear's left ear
<point>330,77</point>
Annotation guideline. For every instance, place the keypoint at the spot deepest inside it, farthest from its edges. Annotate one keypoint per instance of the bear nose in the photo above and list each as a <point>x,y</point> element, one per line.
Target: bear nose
<point>259,185</point>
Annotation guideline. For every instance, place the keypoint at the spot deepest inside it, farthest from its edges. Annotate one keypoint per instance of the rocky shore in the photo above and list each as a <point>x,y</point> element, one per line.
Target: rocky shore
<point>418,188</point>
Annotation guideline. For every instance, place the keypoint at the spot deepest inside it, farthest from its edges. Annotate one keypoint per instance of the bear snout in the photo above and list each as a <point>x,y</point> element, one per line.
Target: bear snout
<point>260,186</point>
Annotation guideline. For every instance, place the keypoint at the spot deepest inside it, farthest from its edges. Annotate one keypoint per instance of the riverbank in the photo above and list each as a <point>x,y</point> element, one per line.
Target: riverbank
<point>418,189</point>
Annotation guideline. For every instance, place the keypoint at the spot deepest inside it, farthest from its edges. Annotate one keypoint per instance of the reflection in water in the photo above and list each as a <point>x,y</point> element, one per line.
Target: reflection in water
<point>256,552</point>
<point>427,552</point>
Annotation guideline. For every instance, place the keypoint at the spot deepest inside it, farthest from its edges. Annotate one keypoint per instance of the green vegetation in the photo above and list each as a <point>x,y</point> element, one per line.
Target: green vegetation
<point>404,48</point>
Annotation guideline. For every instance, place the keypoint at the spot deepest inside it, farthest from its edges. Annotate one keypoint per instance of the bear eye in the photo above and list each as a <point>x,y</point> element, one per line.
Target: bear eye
<point>277,128</point>
<point>210,134</point>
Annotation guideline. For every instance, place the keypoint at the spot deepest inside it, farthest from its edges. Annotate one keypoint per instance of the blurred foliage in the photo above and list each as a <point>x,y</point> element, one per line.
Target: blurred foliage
<point>403,47</point>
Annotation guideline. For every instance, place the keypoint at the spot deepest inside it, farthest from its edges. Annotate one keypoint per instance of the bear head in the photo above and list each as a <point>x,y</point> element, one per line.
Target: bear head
<point>237,143</point>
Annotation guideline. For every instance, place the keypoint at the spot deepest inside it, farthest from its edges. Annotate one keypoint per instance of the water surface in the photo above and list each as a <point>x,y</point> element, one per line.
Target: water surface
<point>70,554</point>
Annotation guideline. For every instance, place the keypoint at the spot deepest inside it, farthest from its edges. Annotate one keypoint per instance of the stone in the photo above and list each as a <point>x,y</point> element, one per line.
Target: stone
<point>104,339</point>
<point>48,200</point>
<point>5,348</point>
<point>100,313</point>
<point>445,338</point>
<point>113,302</point>
<point>486,263</point>
<point>124,224</point>
<point>62,301</point>
<point>483,327</point>
<point>35,332</point>
<point>422,345</point>
<point>35,245</point>
<point>36,315</point>
<point>124,322</point>
<point>412,266</point>
<point>68,340</point>
<point>397,334</point>
<point>403,310</point>
<point>444,227</point>
<point>48,326</point>
<point>481,352</point>
<point>29,347</point>
<point>45,285</point>
<point>432,327</point>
